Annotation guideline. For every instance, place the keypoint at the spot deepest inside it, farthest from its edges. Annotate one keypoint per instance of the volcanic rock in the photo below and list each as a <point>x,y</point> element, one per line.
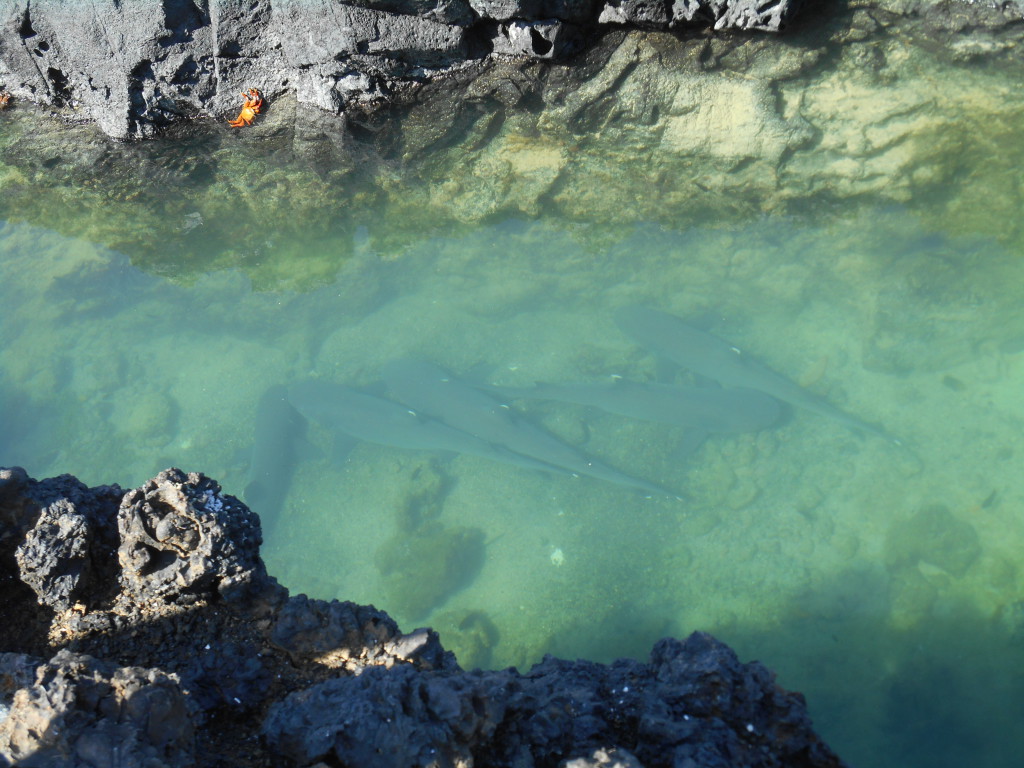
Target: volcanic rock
<point>181,650</point>
<point>136,67</point>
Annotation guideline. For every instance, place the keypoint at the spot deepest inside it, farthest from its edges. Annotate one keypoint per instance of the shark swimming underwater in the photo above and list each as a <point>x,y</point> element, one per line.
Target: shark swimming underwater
<point>432,390</point>
<point>708,409</point>
<point>276,432</point>
<point>376,420</point>
<point>715,358</point>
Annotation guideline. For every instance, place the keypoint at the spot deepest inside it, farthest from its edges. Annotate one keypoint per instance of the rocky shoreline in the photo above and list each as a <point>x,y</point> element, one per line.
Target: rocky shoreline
<point>141,628</point>
<point>842,108</point>
<point>137,68</point>
<point>134,68</point>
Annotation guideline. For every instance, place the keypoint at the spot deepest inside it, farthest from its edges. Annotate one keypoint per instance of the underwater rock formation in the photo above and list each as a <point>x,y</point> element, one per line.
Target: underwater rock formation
<point>133,67</point>
<point>143,625</point>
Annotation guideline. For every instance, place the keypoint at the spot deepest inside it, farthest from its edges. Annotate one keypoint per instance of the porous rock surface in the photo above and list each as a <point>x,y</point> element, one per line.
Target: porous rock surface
<point>135,66</point>
<point>78,710</point>
<point>140,628</point>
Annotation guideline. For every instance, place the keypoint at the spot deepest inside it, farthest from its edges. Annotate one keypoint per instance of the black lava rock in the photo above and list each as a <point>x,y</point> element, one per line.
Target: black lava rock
<point>693,704</point>
<point>181,650</point>
<point>81,711</point>
<point>182,539</point>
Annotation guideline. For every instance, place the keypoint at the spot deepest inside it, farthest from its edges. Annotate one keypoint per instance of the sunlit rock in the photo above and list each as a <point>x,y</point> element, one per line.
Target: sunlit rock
<point>548,39</point>
<point>135,69</point>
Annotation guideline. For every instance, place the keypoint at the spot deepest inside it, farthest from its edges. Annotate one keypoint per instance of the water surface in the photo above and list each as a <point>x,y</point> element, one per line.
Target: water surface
<point>143,323</point>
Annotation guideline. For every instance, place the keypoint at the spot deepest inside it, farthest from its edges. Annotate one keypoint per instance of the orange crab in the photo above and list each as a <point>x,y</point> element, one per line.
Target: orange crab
<point>252,101</point>
<point>5,99</point>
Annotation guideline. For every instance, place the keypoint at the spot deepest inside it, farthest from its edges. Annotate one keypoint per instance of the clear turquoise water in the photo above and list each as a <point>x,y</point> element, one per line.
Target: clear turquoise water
<point>884,582</point>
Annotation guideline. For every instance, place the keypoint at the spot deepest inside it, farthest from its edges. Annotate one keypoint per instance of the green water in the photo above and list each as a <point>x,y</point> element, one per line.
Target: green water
<point>152,294</point>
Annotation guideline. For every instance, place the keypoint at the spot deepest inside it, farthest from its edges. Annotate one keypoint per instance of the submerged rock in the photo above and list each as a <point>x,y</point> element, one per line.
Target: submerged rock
<point>935,537</point>
<point>184,628</point>
<point>423,568</point>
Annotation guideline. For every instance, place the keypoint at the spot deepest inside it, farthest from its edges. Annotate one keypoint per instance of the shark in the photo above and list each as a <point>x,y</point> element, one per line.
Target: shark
<point>277,430</point>
<point>707,355</point>
<point>709,409</point>
<point>434,391</point>
<point>378,420</point>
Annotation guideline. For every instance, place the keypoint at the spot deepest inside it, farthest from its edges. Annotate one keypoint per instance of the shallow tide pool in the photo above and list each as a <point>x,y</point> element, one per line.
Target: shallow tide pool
<point>881,579</point>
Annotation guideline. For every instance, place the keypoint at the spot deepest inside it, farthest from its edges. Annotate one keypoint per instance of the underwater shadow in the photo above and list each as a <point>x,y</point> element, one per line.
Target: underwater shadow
<point>892,687</point>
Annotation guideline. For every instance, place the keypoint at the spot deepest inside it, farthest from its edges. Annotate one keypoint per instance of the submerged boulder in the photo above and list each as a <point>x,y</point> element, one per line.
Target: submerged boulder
<point>935,538</point>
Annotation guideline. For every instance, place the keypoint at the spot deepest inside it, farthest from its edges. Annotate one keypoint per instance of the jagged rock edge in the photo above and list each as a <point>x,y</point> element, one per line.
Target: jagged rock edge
<point>179,59</point>
<point>185,649</point>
